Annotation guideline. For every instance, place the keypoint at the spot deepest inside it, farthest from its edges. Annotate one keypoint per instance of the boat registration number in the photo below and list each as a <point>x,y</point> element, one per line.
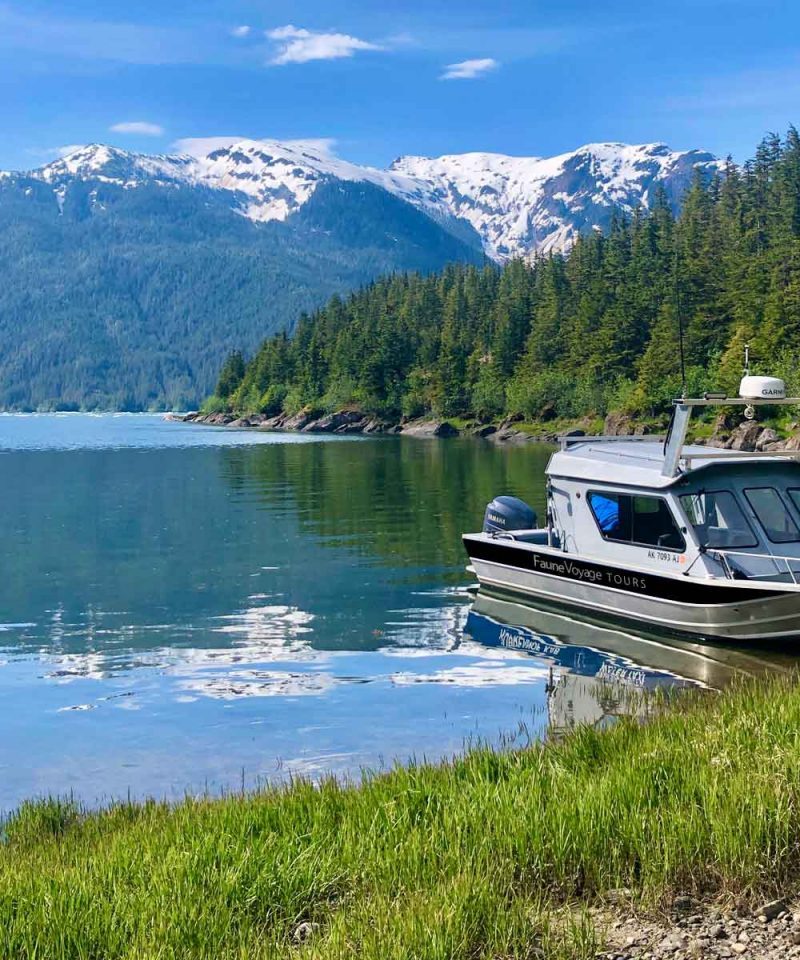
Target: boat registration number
<point>666,557</point>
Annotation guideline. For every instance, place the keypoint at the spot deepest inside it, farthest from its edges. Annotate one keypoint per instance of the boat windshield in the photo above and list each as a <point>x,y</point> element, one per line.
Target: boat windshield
<point>773,514</point>
<point>718,520</point>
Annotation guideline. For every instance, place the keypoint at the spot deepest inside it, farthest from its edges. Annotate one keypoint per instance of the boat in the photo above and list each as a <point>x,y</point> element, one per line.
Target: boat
<point>653,531</point>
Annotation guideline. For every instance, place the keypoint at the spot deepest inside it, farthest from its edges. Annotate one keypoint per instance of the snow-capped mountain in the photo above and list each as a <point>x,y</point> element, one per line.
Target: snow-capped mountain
<point>126,278</point>
<point>516,205</point>
<point>269,179</point>
<point>524,204</point>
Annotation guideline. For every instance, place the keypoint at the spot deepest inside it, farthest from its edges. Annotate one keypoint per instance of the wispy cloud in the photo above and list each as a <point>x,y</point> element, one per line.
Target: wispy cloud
<point>241,31</point>
<point>54,153</point>
<point>469,69</point>
<point>298,45</point>
<point>141,127</point>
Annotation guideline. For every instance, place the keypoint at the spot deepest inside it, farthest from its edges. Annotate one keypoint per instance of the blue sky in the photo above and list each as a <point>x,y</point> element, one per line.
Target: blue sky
<point>401,76</point>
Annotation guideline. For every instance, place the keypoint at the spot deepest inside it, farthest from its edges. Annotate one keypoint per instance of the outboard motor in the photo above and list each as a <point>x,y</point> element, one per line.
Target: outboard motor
<point>508,513</point>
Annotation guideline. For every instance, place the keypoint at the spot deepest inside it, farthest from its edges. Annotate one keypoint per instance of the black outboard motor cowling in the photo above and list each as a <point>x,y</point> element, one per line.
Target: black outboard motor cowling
<point>508,513</point>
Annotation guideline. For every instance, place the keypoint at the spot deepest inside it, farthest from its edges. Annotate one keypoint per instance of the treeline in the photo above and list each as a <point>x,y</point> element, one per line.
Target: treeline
<point>563,336</point>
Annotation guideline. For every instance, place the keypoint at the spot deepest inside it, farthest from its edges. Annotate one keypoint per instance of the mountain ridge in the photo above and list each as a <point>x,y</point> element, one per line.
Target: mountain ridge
<point>125,277</point>
<point>517,205</point>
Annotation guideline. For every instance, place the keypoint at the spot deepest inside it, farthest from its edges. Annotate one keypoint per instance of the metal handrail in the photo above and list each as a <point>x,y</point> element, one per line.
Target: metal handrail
<point>717,454</point>
<point>567,441</point>
<point>722,555</point>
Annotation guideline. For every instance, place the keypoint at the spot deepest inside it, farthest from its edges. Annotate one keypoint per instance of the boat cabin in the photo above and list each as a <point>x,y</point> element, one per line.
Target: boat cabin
<point>720,515</point>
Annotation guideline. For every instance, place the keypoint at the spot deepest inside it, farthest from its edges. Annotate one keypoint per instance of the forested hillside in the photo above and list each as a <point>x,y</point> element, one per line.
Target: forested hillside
<point>117,298</point>
<point>564,336</point>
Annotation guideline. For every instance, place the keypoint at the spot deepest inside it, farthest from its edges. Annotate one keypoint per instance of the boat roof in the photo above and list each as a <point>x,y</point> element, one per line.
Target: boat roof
<point>635,462</point>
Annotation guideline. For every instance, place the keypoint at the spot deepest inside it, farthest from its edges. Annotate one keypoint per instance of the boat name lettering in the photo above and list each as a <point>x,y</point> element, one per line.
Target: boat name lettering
<point>617,674</point>
<point>577,571</point>
<point>519,641</point>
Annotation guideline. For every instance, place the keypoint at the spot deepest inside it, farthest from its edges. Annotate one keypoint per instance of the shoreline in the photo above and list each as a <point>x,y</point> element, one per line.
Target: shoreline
<point>354,422</point>
<point>676,837</point>
<point>746,436</point>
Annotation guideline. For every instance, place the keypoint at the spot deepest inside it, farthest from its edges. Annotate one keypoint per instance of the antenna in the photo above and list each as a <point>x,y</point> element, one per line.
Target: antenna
<point>679,312</point>
<point>749,410</point>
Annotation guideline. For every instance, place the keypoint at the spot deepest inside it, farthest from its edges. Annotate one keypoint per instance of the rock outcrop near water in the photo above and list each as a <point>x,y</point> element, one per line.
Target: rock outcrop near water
<point>748,436</point>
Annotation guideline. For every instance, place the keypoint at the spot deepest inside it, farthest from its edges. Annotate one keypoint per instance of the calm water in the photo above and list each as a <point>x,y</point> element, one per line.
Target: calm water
<point>187,609</point>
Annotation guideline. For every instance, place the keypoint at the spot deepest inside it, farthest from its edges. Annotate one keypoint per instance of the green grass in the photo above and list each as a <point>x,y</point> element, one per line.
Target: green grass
<point>494,855</point>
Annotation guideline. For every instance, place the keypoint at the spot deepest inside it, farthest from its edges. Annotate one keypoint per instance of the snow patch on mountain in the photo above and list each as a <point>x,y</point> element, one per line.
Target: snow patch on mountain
<point>517,205</point>
<point>523,204</point>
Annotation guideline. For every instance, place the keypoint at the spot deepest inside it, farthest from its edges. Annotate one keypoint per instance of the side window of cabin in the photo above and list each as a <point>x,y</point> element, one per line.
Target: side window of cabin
<point>718,520</point>
<point>773,514</point>
<point>646,521</point>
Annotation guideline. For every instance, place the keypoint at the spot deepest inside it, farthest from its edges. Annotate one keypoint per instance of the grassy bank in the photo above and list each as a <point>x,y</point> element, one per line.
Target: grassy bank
<point>489,856</point>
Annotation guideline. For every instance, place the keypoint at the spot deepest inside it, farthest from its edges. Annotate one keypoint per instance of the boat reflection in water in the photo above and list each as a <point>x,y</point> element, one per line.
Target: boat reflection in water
<point>598,673</point>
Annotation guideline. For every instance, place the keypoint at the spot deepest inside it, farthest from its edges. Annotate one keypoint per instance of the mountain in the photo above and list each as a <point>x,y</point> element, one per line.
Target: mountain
<point>516,205</point>
<point>523,204</point>
<point>125,278</point>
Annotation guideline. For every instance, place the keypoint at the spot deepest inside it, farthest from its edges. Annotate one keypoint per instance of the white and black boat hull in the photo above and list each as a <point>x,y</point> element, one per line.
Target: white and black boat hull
<point>721,609</point>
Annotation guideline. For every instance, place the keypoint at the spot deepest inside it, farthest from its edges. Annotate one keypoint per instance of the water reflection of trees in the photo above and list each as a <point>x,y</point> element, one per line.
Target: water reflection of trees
<point>408,500</point>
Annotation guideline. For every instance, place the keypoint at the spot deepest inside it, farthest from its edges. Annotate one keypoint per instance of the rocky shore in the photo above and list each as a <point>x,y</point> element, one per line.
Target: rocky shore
<point>728,432</point>
<point>770,932</point>
<point>353,421</point>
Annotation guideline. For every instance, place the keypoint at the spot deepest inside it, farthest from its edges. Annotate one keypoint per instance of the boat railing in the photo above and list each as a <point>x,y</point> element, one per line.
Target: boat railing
<point>736,570</point>
<point>717,454</point>
<point>568,440</point>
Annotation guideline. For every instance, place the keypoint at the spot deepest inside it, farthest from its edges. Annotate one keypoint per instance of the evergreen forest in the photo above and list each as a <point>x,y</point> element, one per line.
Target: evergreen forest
<point>566,335</point>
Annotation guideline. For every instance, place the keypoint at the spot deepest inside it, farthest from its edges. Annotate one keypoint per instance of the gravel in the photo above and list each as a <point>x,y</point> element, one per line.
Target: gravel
<point>770,932</point>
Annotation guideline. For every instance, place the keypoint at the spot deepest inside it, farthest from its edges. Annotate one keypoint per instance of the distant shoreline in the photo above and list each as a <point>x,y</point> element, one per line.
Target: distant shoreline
<point>354,422</point>
<point>747,436</point>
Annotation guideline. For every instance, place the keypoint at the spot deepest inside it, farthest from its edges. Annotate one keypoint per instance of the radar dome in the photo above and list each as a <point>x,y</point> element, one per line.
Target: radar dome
<point>762,388</point>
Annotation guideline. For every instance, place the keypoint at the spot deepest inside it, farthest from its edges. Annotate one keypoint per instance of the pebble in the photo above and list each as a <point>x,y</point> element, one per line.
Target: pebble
<point>683,904</point>
<point>304,931</point>
<point>772,909</point>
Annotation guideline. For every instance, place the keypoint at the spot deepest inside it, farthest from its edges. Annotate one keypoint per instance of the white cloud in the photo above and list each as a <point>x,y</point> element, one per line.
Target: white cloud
<point>240,32</point>
<point>469,69</point>
<point>141,127</point>
<point>297,45</point>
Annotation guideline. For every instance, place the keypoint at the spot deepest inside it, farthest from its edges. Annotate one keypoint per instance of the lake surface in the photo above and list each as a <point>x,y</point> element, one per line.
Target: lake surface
<point>184,609</point>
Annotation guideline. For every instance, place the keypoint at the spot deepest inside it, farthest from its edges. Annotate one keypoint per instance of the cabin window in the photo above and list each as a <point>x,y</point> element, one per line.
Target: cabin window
<point>794,496</point>
<point>645,521</point>
<point>773,515</point>
<point>718,520</point>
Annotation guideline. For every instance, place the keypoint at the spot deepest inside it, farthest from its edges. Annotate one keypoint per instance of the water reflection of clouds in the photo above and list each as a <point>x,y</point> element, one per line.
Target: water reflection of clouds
<point>268,653</point>
<point>257,683</point>
<point>260,633</point>
<point>431,628</point>
<point>489,673</point>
